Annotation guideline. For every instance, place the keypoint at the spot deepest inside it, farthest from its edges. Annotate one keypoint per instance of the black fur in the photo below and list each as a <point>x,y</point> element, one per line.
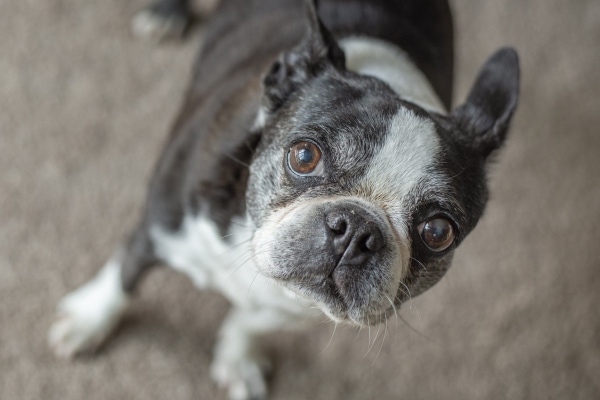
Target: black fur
<point>486,115</point>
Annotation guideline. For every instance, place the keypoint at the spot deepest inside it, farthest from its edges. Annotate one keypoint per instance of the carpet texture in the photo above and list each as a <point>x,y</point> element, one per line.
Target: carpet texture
<point>84,110</point>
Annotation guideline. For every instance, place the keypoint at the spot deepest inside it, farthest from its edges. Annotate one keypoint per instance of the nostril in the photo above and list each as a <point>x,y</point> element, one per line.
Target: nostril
<point>340,228</point>
<point>373,240</point>
<point>337,224</point>
<point>363,244</point>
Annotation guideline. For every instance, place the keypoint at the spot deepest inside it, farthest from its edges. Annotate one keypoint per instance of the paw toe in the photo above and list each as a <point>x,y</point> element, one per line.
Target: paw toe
<point>244,379</point>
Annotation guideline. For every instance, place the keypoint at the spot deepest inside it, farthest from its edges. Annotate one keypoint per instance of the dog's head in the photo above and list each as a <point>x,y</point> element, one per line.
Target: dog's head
<point>360,198</point>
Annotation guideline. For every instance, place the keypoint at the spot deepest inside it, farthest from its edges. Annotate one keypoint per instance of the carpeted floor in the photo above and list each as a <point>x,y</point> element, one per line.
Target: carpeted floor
<point>84,109</point>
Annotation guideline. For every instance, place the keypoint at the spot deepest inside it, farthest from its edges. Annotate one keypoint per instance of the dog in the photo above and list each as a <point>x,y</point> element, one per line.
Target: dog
<point>315,168</point>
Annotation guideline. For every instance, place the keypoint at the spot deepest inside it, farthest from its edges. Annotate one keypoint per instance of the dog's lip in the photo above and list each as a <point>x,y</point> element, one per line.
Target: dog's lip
<point>331,306</point>
<point>375,318</point>
<point>322,292</point>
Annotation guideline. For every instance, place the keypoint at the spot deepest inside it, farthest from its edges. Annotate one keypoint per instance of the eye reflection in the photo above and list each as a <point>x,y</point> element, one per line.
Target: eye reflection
<point>304,158</point>
<point>437,233</point>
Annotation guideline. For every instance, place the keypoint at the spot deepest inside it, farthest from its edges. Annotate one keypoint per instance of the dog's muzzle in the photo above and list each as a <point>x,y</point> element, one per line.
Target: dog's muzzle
<point>339,253</point>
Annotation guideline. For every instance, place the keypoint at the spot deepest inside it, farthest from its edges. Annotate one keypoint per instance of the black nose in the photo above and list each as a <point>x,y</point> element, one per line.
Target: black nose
<point>355,234</point>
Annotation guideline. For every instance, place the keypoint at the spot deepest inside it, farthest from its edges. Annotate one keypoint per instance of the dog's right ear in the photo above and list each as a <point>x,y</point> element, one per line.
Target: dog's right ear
<point>484,118</point>
<point>317,51</point>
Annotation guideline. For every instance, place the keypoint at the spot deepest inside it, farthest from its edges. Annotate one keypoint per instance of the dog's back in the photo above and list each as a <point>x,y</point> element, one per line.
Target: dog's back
<point>248,32</point>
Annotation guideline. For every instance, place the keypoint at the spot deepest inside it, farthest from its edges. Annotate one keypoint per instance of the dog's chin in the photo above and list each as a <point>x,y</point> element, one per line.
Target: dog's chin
<point>334,306</point>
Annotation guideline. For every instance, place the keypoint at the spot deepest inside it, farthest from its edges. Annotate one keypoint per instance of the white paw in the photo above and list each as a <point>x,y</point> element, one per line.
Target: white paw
<point>88,315</point>
<point>243,378</point>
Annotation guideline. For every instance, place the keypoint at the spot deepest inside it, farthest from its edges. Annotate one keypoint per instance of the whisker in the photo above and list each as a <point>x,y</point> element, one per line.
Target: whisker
<point>237,160</point>
<point>249,146</point>
<point>330,339</point>
<point>375,339</point>
<point>230,219</point>
<point>245,261</point>
<point>420,263</point>
<point>395,313</point>
<point>392,304</point>
<point>369,338</point>
<point>358,329</point>
<point>418,332</point>
<point>463,170</point>
<point>382,342</point>
<point>234,246</point>
<point>250,287</point>
<point>245,253</point>
<point>409,295</point>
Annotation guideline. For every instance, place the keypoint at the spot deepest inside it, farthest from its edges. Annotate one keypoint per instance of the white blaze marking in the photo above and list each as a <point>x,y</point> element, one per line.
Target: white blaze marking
<point>403,162</point>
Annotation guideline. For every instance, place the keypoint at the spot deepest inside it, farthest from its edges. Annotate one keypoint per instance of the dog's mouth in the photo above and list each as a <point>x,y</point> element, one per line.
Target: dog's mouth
<point>338,305</point>
<point>367,303</point>
<point>339,254</point>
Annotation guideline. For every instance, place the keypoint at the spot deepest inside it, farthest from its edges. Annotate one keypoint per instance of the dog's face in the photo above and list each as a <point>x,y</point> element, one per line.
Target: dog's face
<point>360,198</point>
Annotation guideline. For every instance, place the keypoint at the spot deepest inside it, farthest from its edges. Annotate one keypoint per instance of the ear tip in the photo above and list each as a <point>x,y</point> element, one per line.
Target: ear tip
<point>507,56</point>
<point>508,51</point>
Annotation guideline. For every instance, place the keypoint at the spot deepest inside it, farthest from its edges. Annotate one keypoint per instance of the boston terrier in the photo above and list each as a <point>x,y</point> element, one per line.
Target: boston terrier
<point>315,168</point>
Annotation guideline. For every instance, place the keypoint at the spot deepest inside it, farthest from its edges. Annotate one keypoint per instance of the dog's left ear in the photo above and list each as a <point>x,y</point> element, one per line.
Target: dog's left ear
<point>317,51</point>
<point>485,117</point>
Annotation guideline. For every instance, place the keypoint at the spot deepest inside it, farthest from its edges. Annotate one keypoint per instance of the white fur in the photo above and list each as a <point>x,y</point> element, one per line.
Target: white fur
<point>87,315</point>
<point>225,264</point>
<point>403,163</point>
<point>260,305</point>
<point>392,65</point>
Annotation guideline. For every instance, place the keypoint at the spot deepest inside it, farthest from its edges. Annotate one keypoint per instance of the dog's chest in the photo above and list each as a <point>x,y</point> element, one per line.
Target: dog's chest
<point>225,264</point>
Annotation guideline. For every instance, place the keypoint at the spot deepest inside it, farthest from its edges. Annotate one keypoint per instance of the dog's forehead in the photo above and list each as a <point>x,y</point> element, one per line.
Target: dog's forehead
<point>390,145</point>
<point>350,118</point>
<point>376,147</point>
<point>403,167</point>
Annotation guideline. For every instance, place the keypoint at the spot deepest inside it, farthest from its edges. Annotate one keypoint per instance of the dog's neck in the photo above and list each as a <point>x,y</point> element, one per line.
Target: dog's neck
<point>383,60</point>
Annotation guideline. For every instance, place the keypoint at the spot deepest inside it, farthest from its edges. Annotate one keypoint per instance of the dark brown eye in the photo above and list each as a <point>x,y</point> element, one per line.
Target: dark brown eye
<point>437,233</point>
<point>304,158</point>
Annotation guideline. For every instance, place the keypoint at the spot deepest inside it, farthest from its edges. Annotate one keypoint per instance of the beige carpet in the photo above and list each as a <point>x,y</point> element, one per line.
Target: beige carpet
<point>84,109</point>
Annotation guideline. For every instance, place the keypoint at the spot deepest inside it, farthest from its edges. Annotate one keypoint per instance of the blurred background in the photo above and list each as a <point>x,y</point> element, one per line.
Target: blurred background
<point>84,110</point>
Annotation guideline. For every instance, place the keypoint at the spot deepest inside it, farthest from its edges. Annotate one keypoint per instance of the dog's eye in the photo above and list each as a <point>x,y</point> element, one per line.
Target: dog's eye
<point>304,159</point>
<point>437,233</point>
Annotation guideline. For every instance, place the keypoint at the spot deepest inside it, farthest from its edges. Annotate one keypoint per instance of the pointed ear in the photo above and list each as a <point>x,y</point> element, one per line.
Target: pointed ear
<point>485,116</point>
<point>317,51</point>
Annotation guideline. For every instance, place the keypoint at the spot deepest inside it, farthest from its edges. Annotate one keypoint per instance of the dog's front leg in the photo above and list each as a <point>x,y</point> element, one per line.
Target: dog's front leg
<point>88,315</point>
<point>239,364</point>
